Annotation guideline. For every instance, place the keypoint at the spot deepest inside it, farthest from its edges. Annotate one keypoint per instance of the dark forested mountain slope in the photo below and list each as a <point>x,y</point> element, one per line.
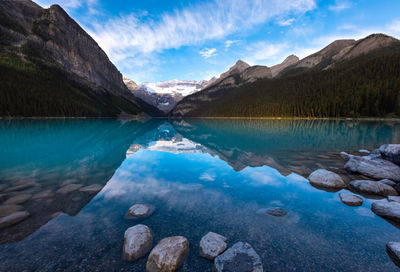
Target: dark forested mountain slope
<point>49,66</point>
<point>349,79</point>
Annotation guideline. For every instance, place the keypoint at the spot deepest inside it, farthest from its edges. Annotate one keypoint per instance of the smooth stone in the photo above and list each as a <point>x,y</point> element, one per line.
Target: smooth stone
<point>393,198</point>
<point>212,245</point>
<point>137,242</point>
<point>376,168</point>
<point>388,182</point>
<point>241,257</point>
<point>372,187</point>
<point>138,211</point>
<point>326,179</point>
<point>91,189</point>
<point>345,155</point>
<point>351,200</point>
<point>68,181</point>
<point>391,152</point>
<point>168,254</point>
<point>274,211</point>
<point>18,199</point>
<point>386,209</point>
<point>393,250</point>
<point>20,187</point>
<point>44,194</point>
<point>68,189</point>
<point>13,219</point>
<point>9,209</point>
<point>364,151</point>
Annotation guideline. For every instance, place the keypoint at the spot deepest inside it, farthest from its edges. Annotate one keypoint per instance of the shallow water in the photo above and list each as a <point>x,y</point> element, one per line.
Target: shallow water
<point>201,176</point>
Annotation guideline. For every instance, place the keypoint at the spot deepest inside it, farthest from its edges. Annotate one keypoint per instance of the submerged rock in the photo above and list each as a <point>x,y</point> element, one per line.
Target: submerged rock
<point>372,167</point>
<point>20,187</point>
<point>241,257</point>
<point>372,187</point>
<point>386,209</point>
<point>18,199</point>
<point>13,219</point>
<point>391,152</point>
<point>43,194</point>
<point>139,211</point>
<point>137,242</point>
<point>326,179</point>
<point>9,209</point>
<point>68,188</point>
<point>393,250</point>
<point>212,245</point>
<point>91,189</point>
<point>274,211</point>
<point>168,254</point>
<point>350,199</point>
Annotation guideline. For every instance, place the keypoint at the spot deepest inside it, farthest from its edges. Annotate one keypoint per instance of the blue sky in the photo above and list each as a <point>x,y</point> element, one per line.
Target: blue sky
<point>155,40</point>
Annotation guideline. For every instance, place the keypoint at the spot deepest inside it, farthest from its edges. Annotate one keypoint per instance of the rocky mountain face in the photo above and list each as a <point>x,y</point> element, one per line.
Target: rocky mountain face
<point>356,77</point>
<point>49,39</point>
<point>165,94</point>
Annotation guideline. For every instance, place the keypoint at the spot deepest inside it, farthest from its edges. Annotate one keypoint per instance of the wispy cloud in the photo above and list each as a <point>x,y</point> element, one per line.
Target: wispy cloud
<point>340,5</point>
<point>208,52</point>
<point>229,43</point>
<point>287,22</point>
<point>264,52</point>
<point>130,35</point>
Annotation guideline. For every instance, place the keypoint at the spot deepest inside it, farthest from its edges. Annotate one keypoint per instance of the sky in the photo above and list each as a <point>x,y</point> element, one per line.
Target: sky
<point>157,40</point>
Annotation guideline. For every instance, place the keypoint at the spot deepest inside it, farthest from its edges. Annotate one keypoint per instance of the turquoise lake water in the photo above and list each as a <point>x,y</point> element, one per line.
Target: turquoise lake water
<point>201,175</point>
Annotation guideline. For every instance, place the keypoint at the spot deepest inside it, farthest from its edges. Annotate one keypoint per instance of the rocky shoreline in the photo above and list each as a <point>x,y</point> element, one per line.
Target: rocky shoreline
<point>381,169</point>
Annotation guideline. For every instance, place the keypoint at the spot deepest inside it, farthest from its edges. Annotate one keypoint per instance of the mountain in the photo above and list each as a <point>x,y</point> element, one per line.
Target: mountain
<point>165,95</point>
<point>289,61</point>
<point>348,78</point>
<point>49,66</point>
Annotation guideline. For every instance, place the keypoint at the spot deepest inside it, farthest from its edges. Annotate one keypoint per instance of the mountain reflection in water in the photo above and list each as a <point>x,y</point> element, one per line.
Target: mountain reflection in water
<point>202,175</point>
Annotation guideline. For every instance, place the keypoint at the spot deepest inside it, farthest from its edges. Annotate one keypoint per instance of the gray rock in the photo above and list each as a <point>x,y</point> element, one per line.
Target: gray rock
<point>241,257</point>
<point>372,187</point>
<point>393,199</point>
<point>212,245</point>
<point>364,151</point>
<point>13,219</point>
<point>376,168</point>
<point>391,152</point>
<point>91,189</point>
<point>350,199</point>
<point>18,199</point>
<point>393,250</point>
<point>386,209</point>
<point>139,211</point>
<point>68,189</point>
<point>9,209</point>
<point>345,155</point>
<point>43,194</point>
<point>388,182</point>
<point>138,241</point>
<point>274,211</point>
<point>20,187</point>
<point>168,255</point>
<point>326,179</point>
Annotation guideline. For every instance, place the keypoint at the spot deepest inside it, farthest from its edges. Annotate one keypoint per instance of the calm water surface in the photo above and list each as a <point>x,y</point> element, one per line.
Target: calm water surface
<point>201,176</point>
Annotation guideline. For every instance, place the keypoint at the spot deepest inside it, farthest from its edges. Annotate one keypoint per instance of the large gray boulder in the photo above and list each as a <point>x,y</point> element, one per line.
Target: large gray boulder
<point>212,245</point>
<point>372,187</point>
<point>168,254</point>
<point>326,179</point>
<point>13,219</point>
<point>373,167</point>
<point>137,242</point>
<point>393,250</point>
<point>350,199</point>
<point>391,152</point>
<point>386,209</point>
<point>241,257</point>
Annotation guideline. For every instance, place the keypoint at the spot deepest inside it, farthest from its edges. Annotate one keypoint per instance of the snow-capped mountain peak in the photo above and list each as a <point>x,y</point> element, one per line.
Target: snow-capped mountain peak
<point>174,87</point>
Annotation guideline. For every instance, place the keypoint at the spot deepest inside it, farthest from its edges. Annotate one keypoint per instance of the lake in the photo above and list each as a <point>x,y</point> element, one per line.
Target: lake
<point>201,176</point>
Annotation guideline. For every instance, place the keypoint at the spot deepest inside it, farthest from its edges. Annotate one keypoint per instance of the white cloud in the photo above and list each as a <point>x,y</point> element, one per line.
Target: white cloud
<point>208,52</point>
<point>287,22</point>
<point>264,52</point>
<point>340,5</point>
<point>130,35</point>
<point>229,43</point>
